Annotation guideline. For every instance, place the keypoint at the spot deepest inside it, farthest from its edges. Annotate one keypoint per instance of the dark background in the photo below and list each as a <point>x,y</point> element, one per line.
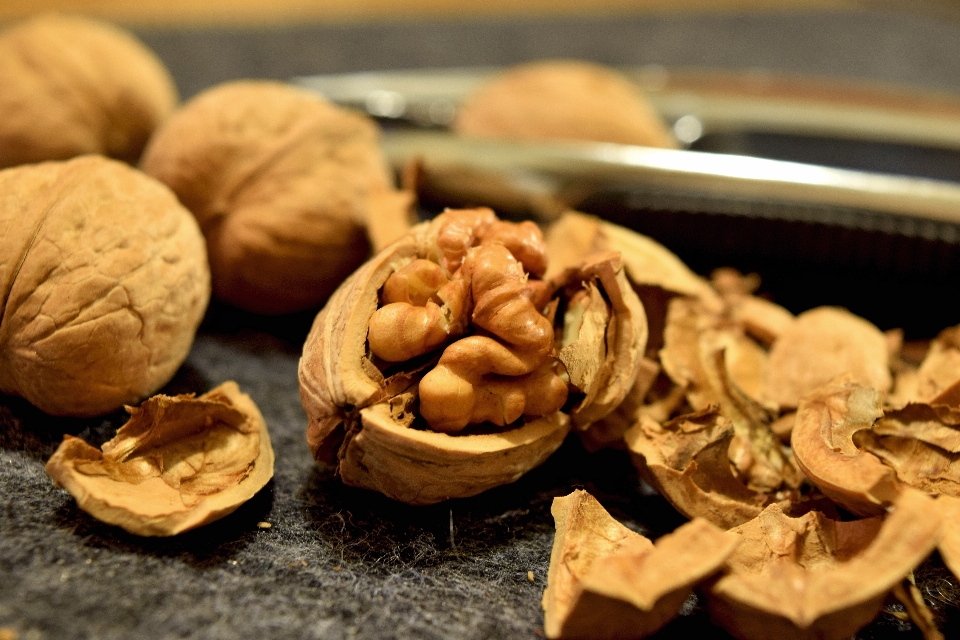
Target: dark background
<point>339,562</point>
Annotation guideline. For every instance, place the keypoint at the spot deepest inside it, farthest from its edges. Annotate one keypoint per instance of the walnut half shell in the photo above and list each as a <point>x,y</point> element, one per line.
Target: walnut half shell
<point>442,367</point>
<point>179,462</point>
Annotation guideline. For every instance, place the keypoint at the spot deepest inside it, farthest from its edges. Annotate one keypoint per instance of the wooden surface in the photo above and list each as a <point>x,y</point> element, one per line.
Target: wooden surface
<point>213,12</point>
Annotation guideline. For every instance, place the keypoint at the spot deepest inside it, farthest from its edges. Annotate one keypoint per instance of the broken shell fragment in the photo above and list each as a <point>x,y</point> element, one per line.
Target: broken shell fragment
<point>824,447</point>
<point>815,578</point>
<point>433,371</point>
<point>179,462</point>
<point>863,456</point>
<point>606,581</point>
<point>647,263</point>
<point>940,368</point>
<point>821,344</point>
<point>687,460</point>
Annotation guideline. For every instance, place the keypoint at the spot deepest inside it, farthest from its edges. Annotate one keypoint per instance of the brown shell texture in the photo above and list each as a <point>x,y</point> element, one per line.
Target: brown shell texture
<point>811,577</point>
<point>371,417</point>
<point>73,86</point>
<point>103,283</point>
<point>560,99</point>
<point>608,582</point>
<point>283,184</point>
<point>179,462</point>
<point>864,455</point>
<point>821,344</point>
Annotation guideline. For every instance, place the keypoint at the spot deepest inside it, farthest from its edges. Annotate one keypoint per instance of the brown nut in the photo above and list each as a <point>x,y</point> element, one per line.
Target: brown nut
<point>815,578</point>
<point>562,99</point>
<point>464,388</point>
<point>284,185</point>
<point>179,462</point>
<point>73,86</point>
<point>606,581</point>
<point>103,282</point>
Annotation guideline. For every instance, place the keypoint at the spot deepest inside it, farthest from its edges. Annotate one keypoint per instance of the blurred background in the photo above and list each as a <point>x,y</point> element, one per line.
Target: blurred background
<point>206,41</point>
<point>914,45</point>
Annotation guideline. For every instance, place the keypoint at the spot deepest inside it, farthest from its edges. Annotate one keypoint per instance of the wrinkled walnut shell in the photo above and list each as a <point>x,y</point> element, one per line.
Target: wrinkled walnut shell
<point>179,462</point>
<point>363,419</point>
<point>103,282</point>
<point>284,186</point>
<point>558,99</point>
<point>73,86</point>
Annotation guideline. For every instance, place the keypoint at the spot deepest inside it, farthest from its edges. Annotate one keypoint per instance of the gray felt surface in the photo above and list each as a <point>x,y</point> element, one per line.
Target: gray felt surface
<point>339,562</point>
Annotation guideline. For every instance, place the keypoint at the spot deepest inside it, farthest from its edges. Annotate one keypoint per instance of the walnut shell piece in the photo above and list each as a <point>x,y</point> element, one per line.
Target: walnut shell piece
<point>103,283</point>
<point>73,86</point>
<point>606,581</point>
<point>815,578</point>
<point>821,344</point>
<point>464,391</point>
<point>562,99</point>
<point>284,186</point>
<point>687,461</point>
<point>179,462</point>
<point>863,456</point>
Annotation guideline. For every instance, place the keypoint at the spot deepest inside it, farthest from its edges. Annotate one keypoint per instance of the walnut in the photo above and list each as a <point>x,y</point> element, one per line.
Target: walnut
<point>179,462</point>
<point>813,577</point>
<point>562,99</point>
<point>606,581</point>
<point>73,86</point>
<point>284,185</point>
<point>103,282</point>
<point>445,366</point>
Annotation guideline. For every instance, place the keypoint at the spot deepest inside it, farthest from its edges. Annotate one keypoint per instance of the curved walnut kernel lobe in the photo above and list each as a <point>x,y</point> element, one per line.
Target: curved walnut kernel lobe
<point>178,463</point>
<point>811,577</point>
<point>605,581</point>
<point>821,344</point>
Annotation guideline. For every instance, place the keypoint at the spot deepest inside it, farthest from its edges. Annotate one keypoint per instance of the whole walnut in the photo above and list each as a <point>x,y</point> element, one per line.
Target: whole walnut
<point>562,100</point>
<point>447,365</point>
<point>71,86</point>
<point>283,184</point>
<point>103,282</point>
